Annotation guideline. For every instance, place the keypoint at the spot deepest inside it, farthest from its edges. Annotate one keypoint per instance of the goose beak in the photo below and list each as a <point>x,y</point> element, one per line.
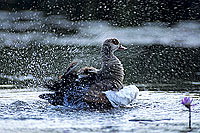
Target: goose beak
<point>122,47</point>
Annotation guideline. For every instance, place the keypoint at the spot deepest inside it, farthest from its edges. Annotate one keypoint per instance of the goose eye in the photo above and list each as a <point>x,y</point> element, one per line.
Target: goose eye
<point>115,41</point>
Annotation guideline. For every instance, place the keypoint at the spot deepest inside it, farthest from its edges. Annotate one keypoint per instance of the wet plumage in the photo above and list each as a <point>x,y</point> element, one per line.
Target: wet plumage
<point>87,86</point>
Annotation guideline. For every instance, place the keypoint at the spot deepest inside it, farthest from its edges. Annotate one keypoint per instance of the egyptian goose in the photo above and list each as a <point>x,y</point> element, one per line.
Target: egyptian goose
<point>90,85</point>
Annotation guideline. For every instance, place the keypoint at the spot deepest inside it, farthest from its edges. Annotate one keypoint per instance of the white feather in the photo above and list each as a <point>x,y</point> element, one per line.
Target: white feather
<point>122,97</point>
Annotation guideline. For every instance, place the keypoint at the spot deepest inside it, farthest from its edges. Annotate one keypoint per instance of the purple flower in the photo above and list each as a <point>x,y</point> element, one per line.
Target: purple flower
<point>187,102</point>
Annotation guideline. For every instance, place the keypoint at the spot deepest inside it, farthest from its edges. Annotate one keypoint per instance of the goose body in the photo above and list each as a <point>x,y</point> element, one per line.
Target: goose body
<point>89,86</point>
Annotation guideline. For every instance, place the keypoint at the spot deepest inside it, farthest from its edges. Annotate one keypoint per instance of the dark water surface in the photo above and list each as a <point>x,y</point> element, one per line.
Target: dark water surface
<point>153,65</point>
<point>162,61</point>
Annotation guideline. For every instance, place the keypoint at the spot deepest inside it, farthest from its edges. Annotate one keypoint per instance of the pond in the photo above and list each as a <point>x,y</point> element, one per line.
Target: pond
<point>162,61</point>
<point>160,111</point>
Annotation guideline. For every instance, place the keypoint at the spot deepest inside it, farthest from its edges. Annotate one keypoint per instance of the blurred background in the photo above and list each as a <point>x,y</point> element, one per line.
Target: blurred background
<point>117,12</point>
<point>38,38</point>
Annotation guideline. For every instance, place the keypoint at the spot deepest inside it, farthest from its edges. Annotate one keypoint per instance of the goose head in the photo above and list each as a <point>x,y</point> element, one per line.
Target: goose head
<point>111,45</point>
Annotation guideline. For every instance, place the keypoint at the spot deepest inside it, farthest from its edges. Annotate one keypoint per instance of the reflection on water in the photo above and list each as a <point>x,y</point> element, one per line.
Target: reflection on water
<point>36,49</point>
